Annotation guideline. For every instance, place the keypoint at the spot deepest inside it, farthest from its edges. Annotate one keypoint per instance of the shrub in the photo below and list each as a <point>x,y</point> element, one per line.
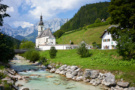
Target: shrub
<point>43,59</point>
<point>32,55</point>
<point>52,52</point>
<point>27,45</point>
<point>83,51</point>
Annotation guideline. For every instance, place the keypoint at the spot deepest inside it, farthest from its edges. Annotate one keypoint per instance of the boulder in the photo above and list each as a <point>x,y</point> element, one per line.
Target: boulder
<point>49,66</point>
<point>63,72</point>
<point>109,79</point>
<point>57,71</point>
<point>116,88</point>
<point>131,88</point>
<point>63,67</point>
<point>74,73</point>
<point>94,74</point>
<point>86,80</point>
<point>25,89</point>
<point>52,70</point>
<point>86,73</point>
<point>79,78</point>
<point>80,73</point>
<point>101,76</point>
<point>95,82</point>
<point>73,68</point>
<point>123,84</point>
<point>69,75</point>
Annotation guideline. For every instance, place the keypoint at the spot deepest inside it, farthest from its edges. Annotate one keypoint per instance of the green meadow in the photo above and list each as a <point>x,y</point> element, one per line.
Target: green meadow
<point>103,60</point>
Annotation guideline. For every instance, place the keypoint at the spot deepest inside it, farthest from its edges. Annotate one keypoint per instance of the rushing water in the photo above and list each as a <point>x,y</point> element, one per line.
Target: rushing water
<point>43,80</point>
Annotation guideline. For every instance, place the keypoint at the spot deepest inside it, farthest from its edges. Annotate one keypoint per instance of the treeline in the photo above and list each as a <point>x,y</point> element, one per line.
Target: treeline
<point>87,15</point>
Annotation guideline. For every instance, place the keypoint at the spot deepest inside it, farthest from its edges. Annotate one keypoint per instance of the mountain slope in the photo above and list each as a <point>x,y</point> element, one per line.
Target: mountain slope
<point>87,15</point>
<point>89,36</point>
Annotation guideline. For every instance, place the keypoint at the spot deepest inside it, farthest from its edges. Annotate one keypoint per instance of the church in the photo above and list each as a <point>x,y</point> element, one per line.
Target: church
<point>45,37</point>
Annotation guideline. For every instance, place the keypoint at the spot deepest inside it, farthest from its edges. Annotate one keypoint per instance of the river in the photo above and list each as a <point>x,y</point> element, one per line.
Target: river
<point>42,79</point>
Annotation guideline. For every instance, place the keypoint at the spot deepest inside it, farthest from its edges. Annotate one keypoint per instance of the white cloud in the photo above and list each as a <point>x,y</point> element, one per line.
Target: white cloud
<point>10,9</point>
<point>48,8</point>
<point>23,24</point>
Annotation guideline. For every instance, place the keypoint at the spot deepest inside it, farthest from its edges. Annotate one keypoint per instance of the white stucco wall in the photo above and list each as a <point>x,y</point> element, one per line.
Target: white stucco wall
<point>108,43</point>
<point>58,47</point>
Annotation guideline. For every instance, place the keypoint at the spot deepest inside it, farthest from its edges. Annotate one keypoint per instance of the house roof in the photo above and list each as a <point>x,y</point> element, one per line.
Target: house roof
<point>45,33</point>
<point>108,28</point>
<point>103,33</point>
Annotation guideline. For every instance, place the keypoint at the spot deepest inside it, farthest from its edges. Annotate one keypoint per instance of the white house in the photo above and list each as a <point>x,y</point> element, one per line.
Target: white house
<point>45,37</point>
<point>107,41</point>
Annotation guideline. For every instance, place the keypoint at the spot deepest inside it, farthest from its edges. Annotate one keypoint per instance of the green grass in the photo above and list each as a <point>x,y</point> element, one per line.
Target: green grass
<point>89,36</point>
<point>107,60</point>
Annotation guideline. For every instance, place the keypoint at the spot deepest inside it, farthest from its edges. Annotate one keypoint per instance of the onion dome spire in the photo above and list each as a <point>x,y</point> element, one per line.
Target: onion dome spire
<point>41,20</point>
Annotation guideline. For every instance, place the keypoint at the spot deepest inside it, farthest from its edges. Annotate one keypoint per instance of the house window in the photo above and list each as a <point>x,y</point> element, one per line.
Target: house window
<point>106,47</point>
<point>106,40</point>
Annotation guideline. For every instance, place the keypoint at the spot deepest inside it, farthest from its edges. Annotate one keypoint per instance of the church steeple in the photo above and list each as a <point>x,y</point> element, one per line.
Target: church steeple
<point>41,21</point>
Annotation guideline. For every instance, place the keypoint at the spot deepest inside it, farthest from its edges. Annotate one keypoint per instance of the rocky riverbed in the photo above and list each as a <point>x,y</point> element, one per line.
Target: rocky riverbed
<point>94,77</point>
<point>24,75</point>
<point>33,76</point>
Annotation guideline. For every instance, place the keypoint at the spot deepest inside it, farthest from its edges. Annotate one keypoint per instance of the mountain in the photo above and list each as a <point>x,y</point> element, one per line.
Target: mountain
<point>30,33</point>
<point>20,37</point>
<point>87,15</point>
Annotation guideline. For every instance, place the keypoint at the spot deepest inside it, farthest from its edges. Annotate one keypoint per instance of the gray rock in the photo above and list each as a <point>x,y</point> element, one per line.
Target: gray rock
<point>94,74</point>
<point>86,73</point>
<point>86,80</point>
<point>131,88</point>
<point>57,71</point>
<point>74,73</point>
<point>74,78</point>
<point>109,79</point>
<point>25,89</point>
<point>73,68</point>
<point>63,72</point>
<point>52,70</point>
<point>95,82</point>
<point>63,67</point>
<point>49,66</point>
<point>79,78</point>
<point>101,76</point>
<point>80,73</point>
<point>123,84</point>
<point>69,75</point>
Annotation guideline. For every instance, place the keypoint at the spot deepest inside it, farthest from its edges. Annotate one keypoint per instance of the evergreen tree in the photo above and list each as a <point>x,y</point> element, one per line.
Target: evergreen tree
<point>52,52</point>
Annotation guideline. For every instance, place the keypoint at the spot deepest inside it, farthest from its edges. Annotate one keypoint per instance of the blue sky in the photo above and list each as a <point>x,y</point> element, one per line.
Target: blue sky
<point>26,13</point>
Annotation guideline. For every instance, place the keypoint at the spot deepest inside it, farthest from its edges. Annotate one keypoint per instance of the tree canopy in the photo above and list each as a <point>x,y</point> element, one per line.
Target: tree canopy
<point>123,13</point>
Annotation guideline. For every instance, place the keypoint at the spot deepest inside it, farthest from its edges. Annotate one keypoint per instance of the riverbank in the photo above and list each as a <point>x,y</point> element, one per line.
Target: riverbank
<point>31,76</point>
<point>102,60</point>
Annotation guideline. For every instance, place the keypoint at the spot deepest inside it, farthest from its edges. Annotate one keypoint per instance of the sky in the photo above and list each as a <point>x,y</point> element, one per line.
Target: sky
<point>26,13</point>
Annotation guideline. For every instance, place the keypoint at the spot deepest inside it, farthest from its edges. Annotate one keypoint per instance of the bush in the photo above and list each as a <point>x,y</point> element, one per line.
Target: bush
<point>52,52</point>
<point>83,51</point>
<point>43,59</point>
<point>32,55</point>
<point>27,45</point>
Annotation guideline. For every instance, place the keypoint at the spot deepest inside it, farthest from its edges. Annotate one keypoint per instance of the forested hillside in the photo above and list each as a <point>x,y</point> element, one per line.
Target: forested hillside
<point>87,15</point>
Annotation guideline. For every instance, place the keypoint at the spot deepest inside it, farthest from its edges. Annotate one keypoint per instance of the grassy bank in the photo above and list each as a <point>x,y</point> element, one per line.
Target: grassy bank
<point>104,60</point>
<point>89,35</point>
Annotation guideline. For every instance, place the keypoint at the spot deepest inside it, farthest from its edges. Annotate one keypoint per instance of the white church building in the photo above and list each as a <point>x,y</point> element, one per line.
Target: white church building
<point>45,37</point>
<point>107,41</point>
